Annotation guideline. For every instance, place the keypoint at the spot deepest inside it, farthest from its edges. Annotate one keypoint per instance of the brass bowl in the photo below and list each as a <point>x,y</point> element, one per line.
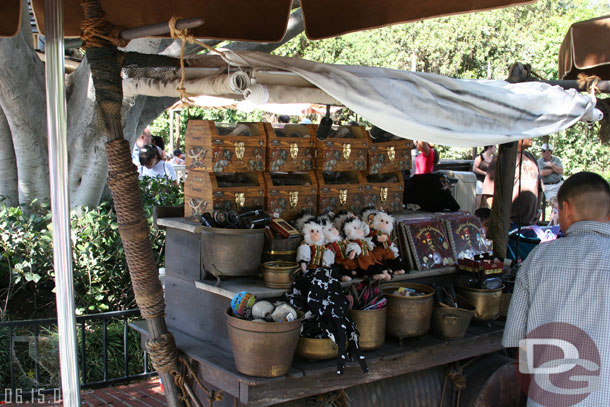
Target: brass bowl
<point>317,348</point>
<point>408,316</point>
<point>450,322</point>
<point>263,349</point>
<point>280,274</point>
<point>485,302</point>
<point>371,327</point>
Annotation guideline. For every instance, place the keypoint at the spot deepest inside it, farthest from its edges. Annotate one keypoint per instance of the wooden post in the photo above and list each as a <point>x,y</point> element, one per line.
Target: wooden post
<point>504,179</point>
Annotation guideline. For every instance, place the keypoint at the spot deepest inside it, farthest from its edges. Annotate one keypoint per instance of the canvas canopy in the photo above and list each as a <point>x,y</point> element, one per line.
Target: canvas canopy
<point>586,48</point>
<point>412,105</point>
<point>260,20</point>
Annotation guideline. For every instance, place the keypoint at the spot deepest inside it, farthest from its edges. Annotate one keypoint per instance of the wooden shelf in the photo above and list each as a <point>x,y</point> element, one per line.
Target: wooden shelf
<point>309,378</point>
<point>229,287</point>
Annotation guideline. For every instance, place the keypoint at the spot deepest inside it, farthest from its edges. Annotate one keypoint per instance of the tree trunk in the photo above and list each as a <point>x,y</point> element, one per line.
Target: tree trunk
<point>23,101</point>
<point>8,165</point>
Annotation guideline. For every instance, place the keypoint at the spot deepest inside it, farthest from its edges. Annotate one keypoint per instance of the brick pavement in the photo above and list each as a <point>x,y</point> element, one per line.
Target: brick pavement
<point>145,393</point>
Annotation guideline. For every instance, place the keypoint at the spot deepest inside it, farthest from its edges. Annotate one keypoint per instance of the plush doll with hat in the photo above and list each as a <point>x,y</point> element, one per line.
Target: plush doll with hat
<point>365,262</point>
<point>312,253</point>
<point>385,250</point>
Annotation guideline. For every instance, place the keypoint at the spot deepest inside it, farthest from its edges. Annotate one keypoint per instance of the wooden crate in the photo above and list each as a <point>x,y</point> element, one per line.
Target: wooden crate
<point>383,191</point>
<point>340,197</point>
<point>223,147</point>
<point>290,200</point>
<point>290,148</point>
<point>339,153</point>
<point>389,156</point>
<point>202,193</point>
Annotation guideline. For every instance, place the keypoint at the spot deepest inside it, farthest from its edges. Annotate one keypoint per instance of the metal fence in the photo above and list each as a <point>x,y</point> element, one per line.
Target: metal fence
<point>31,359</point>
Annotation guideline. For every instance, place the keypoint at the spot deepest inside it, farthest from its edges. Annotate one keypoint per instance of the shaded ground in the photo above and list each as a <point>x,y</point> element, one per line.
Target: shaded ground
<point>146,393</point>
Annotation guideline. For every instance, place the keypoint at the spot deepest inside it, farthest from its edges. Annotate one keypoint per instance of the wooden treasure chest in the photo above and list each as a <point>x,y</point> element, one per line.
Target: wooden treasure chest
<point>340,191</point>
<point>224,147</point>
<point>289,193</point>
<point>389,156</point>
<point>290,148</point>
<point>344,149</point>
<point>206,191</point>
<point>384,191</point>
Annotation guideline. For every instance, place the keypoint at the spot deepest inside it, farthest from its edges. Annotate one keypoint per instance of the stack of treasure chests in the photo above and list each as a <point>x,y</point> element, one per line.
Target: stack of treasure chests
<point>286,169</point>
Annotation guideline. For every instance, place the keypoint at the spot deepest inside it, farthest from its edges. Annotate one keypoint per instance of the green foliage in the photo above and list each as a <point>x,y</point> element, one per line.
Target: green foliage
<point>100,277</point>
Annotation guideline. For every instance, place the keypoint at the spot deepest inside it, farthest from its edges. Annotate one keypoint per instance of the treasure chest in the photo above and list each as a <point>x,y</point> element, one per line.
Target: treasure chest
<point>224,147</point>
<point>344,149</point>
<point>206,191</point>
<point>383,191</point>
<point>389,156</point>
<point>340,191</point>
<point>289,193</point>
<point>290,148</point>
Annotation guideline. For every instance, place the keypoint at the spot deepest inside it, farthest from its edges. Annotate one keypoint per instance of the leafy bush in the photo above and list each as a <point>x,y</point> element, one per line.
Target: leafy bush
<point>101,279</point>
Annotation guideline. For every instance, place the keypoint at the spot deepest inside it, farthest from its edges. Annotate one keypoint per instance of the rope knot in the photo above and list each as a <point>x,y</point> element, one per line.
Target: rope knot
<point>96,32</point>
<point>588,82</point>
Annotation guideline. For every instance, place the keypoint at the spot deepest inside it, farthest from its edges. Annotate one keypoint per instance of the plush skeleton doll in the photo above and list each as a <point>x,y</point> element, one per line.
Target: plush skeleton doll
<point>364,263</point>
<point>385,250</point>
<point>312,253</point>
<point>340,247</point>
<point>319,294</point>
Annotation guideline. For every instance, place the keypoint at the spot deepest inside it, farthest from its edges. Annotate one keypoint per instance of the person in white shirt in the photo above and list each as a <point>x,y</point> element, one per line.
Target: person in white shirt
<point>151,164</point>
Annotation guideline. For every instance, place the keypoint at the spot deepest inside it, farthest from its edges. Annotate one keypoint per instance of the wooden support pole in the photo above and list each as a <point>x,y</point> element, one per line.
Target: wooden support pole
<point>504,179</point>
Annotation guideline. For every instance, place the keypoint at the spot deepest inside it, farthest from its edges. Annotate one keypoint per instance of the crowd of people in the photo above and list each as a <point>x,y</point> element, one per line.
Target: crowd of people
<point>150,158</point>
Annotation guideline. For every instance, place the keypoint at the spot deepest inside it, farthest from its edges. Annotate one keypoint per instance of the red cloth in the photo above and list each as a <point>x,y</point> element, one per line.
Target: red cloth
<point>424,163</point>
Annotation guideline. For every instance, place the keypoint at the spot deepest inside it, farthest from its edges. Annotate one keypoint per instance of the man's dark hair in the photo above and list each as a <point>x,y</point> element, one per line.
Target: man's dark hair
<point>159,142</point>
<point>578,188</point>
<point>482,213</point>
<point>148,153</point>
<point>284,118</point>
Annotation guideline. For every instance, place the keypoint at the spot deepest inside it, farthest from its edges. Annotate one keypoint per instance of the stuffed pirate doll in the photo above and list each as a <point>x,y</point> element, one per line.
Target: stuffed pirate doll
<point>385,250</point>
<point>340,247</point>
<point>365,263</point>
<point>312,253</point>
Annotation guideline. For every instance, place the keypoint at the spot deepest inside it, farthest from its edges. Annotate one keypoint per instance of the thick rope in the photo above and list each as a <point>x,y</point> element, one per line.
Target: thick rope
<point>96,32</point>
<point>163,353</point>
<point>185,37</point>
<point>588,82</point>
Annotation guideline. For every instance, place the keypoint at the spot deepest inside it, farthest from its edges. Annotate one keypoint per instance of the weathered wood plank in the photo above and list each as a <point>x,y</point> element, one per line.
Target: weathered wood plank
<point>183,254</point>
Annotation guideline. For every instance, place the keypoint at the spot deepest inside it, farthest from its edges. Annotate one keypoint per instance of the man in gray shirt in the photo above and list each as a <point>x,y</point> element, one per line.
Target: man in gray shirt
<point>551,171</point>
<point>559,314</point>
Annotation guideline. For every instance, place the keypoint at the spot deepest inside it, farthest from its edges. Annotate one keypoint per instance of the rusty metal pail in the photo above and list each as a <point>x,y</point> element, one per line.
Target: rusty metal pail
<point>282,249</point>
<point>317,348</point>
<point>232,252</point>
<point>263,349</point>
<point>408,316</point>
<point>279,274</point>
<point>371,327</point>
<point>485,302</point>
<point>450,322</point>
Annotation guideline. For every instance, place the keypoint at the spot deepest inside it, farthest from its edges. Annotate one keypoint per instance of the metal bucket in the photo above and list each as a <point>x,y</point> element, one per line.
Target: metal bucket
<point>485,302</point>
<point>282,249</point>
<point>451,323</point>
<point>371,327</point>
<point>505,304</point>
<point>408,316</point>
<point>232,252</point>
<point>317,348</point>
<point>279,274</point>
<point>263,349</point>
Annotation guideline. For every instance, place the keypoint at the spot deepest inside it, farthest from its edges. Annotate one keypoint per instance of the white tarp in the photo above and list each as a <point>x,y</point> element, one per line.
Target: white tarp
<point>435,108</point>
<point>413,105</point>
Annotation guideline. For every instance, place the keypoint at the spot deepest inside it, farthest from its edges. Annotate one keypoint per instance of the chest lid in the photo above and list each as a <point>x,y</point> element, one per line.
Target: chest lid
<point>208,132</point>
<point>329,181</point>
<point>285,135</point>
<point>282,182</point>
<point>339,136</point>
